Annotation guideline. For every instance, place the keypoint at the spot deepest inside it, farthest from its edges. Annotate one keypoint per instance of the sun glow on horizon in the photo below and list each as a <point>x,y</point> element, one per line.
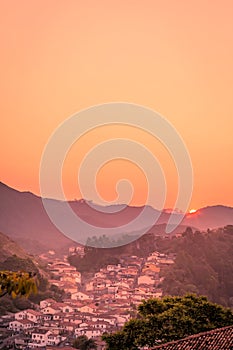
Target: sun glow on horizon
<point>192,211</point>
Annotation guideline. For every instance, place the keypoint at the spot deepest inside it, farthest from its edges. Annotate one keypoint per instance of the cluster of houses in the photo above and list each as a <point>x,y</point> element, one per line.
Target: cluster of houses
<point>115,286</point>
<point>65,277</point>
<point>52,323</point>
<point>92,306</point>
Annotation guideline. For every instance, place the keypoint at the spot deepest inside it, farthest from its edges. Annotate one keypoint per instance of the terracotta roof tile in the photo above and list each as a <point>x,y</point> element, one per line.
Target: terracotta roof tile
<point>217,339</point>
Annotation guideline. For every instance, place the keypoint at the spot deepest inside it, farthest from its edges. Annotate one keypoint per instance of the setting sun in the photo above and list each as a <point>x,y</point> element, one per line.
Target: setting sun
<point>192,211</point>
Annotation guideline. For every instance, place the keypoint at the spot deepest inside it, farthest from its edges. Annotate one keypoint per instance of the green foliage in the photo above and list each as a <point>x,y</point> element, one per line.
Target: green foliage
<point>203,265</point>
<point>204,262</point>
<point>171,318</point>
<point>109,242</point>
<point>17,283</point>
<point>119,340</point>
<point>83,343</point>
<point>22,301</point>
<point>94,259</point>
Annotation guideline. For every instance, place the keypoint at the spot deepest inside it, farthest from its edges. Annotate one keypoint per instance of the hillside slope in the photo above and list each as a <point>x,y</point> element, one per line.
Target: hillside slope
<point>8,248</point>
<point>23,218</point>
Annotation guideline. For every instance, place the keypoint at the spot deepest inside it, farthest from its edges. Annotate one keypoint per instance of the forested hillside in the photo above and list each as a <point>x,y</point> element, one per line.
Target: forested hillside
<point>204,264</point>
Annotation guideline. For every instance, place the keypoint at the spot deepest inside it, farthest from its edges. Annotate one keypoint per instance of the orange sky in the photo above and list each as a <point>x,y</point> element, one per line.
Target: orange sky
<point>58,57</point>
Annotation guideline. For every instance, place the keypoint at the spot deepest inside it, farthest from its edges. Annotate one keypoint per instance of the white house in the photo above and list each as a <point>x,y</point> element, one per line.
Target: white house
<point>20,325</point>
<point>20,315</point>
<point>53,339</point>
<point>43,337</point>
<point>80,296</point>
<point>86,308</point>
<point>50,310</point>
<point>46,302</point>
<point>82,325</point>
<point>74,277</point>
<point>107,318</point>
<point>91,332</point>
<point>72,319</point>
<point>67,309</point>
<point>144,279</point>
<point>34,316</point>
<point>39,339</point>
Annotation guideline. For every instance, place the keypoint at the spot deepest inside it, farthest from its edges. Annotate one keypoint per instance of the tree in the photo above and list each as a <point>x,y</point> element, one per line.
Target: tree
<point>188,231</point>
<point>167,319</point>
<point>203,265</point>
<point>17,283</point>
<point>83,343</point>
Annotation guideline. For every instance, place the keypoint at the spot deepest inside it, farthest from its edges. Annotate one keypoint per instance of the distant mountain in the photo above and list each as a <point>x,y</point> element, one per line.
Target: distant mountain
<point>210,217</point>
<point>24,219</point>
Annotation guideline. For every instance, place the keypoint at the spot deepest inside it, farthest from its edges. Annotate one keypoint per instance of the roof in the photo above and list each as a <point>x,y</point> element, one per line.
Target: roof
<point>23,321</point>
<point>41,331</point>
<point>217,339</point>
<point>59,348</point>
<point>58,305</point>
<point>33,312</point>
<point>49,300</point>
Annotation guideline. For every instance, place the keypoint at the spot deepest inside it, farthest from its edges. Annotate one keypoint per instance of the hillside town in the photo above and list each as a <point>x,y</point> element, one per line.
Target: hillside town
<point>91,307</point>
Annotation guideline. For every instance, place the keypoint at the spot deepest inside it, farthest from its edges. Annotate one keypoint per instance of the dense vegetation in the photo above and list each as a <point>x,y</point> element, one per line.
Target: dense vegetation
<point>96,258</point>
<point>20,298</point>
<point>17,283</point>
<point>171,318</point>
<point>203,265</point>
<point>83,343</point>
<point>109,242</point>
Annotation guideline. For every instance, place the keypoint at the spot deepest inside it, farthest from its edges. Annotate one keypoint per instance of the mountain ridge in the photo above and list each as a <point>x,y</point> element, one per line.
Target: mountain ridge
<point>24,219</point>
<point>167,210</point>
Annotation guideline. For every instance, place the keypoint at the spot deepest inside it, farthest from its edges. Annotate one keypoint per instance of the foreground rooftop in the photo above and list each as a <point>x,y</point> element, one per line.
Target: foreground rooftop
<point>217,339</point>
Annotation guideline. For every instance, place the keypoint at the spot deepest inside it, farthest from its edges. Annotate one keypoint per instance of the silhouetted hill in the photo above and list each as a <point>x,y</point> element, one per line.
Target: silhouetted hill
<point>24,219</point>
<point>210,217</point>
